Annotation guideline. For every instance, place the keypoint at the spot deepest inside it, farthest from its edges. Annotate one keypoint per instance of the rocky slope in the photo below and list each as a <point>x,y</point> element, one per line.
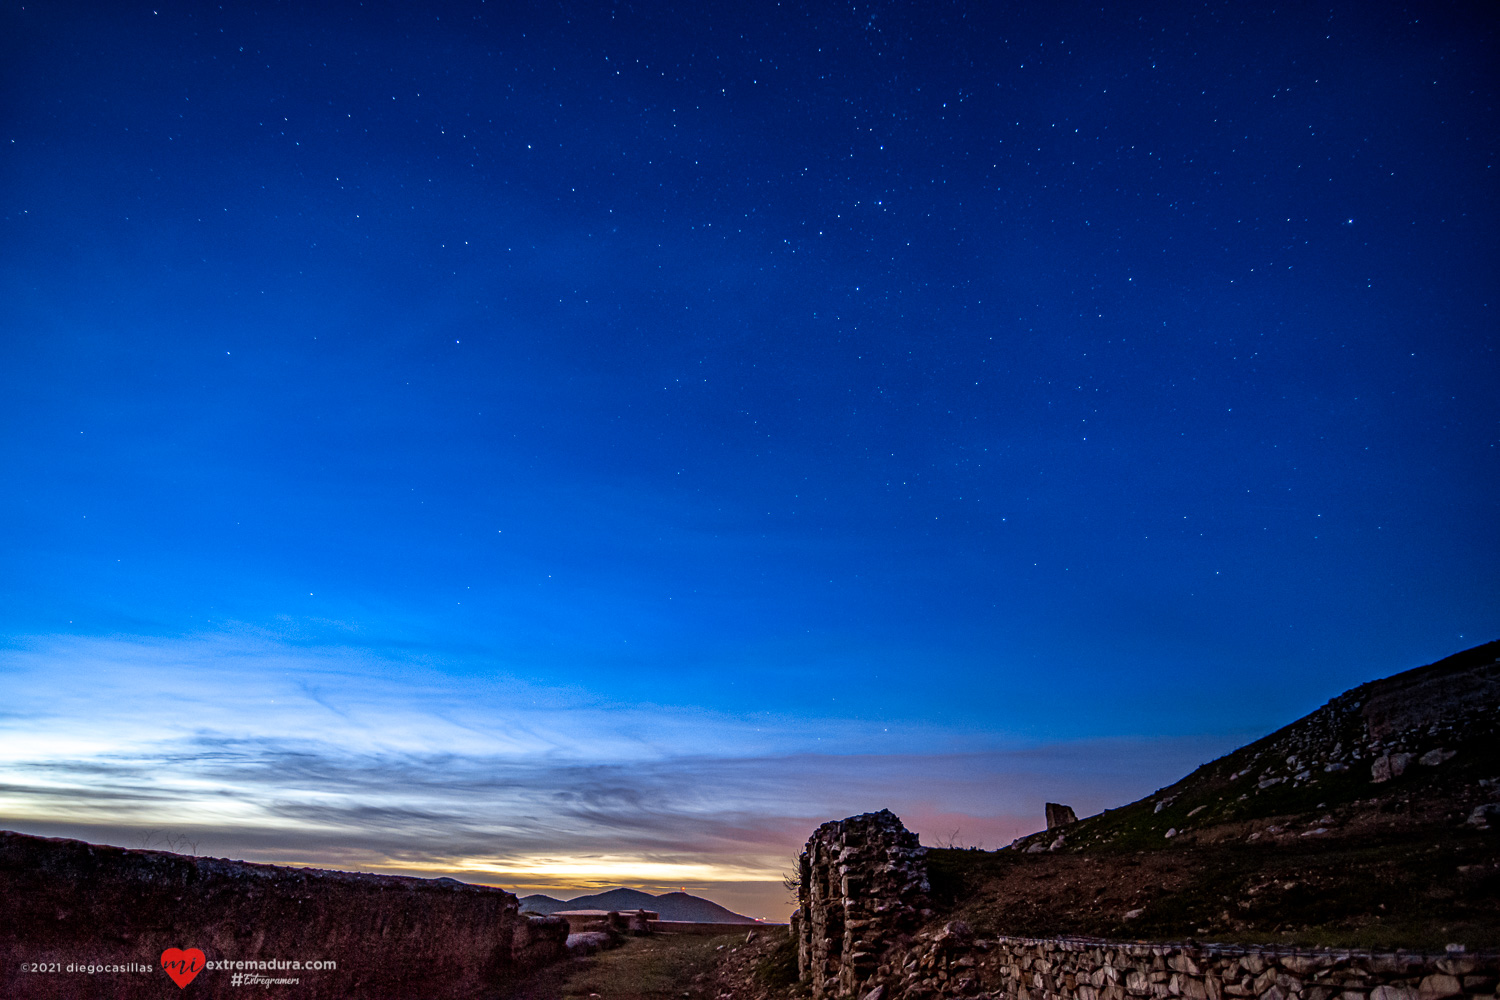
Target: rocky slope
<point>1372,821</point>
<point>1418,749</point>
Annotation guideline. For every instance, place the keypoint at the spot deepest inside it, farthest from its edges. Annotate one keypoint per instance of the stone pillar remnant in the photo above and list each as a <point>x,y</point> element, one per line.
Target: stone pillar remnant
<point>863,881</point>
<point>1059,815</point>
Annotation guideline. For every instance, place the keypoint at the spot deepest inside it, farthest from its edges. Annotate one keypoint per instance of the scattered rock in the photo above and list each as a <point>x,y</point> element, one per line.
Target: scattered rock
<point>588,942</point>
<point>1482,815</point>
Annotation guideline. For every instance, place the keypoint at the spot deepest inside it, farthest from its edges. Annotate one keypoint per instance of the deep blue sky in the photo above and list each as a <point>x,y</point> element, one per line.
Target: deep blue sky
<point>995,374</point>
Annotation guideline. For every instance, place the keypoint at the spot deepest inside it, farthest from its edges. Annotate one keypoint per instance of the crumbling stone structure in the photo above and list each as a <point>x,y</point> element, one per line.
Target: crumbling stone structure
<point>863,881</point>
<point>1059,815</point>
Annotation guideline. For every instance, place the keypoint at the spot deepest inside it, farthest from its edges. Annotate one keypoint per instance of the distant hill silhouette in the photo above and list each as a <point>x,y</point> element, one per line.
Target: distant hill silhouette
<point>671,905</point>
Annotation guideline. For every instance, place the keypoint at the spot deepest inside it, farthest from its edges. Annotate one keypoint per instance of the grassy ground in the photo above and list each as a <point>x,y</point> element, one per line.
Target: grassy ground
<point>654,968</point>
<point>1413,889</point>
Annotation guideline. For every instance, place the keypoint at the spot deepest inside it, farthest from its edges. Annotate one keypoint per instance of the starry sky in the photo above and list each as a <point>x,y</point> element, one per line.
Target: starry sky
<point>575,444</point>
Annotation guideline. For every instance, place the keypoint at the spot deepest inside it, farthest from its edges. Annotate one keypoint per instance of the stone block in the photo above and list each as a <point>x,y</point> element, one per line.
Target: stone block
<point>1437,986</point>
<point>1304,965</point>
<point>1458,965</point>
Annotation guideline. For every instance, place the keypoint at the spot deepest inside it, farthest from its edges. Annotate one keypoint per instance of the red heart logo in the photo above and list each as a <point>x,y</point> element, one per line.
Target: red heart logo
<point>182,965</point>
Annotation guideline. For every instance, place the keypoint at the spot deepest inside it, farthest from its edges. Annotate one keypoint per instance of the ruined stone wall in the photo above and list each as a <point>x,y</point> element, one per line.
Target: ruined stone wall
<point>952,962</point>
<point>862,881</point>
<point>66,902</point>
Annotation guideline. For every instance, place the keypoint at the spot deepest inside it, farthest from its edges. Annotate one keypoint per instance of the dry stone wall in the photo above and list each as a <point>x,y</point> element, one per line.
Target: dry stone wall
<point>862,882</point>
<point>952,962</point>
<point>863,898</point>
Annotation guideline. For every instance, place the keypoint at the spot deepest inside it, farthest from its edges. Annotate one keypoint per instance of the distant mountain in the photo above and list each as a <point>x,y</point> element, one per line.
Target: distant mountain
<point>671,905</point>
<point>537,903</point>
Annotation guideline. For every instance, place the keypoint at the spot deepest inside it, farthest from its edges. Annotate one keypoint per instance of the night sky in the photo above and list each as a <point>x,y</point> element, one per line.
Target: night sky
<point>575,444</point>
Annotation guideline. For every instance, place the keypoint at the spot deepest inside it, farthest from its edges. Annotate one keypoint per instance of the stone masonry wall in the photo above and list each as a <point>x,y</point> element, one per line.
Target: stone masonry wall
<point>68,903</point>
<point>863,895</point>
<point>862,881</point>
<point>952,962</point>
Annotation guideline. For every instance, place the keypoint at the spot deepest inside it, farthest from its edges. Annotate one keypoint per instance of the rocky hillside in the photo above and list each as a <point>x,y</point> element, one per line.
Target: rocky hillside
<point>1419,748</point>
<point>1373,821</point>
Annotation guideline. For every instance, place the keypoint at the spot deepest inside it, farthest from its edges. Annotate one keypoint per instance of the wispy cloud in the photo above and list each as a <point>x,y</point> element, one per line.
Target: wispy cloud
<point>336,757</point>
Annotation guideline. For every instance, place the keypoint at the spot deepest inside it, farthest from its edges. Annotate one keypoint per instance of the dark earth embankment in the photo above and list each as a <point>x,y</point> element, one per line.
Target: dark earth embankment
<point>66,903</point>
